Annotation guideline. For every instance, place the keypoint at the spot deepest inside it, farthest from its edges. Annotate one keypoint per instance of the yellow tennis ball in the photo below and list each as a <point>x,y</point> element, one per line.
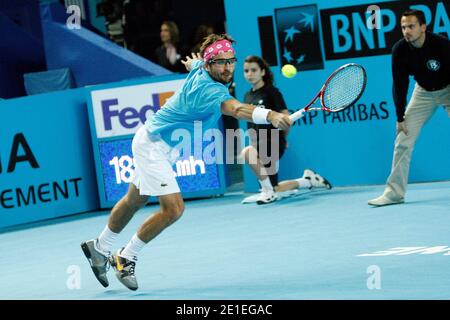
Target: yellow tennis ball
<point>289,71</point>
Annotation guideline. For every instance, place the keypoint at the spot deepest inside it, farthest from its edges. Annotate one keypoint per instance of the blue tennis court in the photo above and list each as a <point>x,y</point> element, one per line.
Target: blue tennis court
<point>317,245</point>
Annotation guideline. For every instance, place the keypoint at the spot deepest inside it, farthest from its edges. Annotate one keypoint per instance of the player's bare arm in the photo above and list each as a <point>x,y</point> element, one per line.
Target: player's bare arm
<point>244,111</point>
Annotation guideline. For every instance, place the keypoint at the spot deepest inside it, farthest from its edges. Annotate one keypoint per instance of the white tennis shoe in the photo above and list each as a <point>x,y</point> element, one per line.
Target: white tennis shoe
<point>266,196</point>
<point>316,180</point>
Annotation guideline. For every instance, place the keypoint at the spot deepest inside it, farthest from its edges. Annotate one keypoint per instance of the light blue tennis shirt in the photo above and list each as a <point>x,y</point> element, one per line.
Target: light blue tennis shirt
<point>199,99</point>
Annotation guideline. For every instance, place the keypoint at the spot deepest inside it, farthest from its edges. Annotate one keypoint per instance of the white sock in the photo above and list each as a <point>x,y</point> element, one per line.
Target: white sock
<point>106,240</point>
<point>133,247</point>
<point>266,184</point>
<point>303,183</point>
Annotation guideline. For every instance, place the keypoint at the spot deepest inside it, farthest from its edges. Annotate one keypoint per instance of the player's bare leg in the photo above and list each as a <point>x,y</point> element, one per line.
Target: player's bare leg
<point>98,250</point>
<point>125,209</point>
<point>172,207</point>
<point>124,260</point>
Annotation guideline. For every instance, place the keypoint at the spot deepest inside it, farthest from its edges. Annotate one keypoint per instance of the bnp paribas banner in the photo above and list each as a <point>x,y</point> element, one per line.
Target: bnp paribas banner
<point>370,30</point>
<point>349,31</point>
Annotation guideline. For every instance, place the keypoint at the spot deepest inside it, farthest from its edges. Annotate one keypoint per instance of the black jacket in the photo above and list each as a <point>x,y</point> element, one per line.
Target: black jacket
<point>430,66</point>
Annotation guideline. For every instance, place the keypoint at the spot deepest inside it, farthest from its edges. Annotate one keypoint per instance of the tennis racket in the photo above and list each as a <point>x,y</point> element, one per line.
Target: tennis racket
<point>341,90</point>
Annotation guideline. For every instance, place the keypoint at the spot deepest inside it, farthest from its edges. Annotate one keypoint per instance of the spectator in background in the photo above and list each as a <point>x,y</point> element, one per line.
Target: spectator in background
<point>143,20</point>
<point>169,54</point>
<point>201,33</point>
<point>112,10</point>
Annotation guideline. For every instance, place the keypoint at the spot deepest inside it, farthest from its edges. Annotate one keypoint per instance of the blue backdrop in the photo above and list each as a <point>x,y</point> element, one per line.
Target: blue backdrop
<point>47,169</point>
<point>354,148</point>
<point>21,49</point>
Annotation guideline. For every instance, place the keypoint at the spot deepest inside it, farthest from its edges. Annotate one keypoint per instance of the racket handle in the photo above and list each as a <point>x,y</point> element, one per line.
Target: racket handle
<point>297,115</point>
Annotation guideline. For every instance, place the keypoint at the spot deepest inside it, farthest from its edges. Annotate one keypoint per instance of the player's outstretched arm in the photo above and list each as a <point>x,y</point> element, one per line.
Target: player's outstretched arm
<point>190,60</point>
<point>258,115</point>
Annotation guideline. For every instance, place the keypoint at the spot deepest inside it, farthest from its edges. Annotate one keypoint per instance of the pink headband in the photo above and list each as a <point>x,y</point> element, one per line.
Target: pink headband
<point>217,48</point>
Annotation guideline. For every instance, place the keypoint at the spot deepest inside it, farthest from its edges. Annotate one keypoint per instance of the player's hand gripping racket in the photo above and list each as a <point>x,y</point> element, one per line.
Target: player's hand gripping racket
<point>341,90</point>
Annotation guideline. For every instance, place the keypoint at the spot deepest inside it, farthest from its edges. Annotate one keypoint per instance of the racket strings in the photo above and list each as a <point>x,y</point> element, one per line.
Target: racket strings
<point>344,88</point>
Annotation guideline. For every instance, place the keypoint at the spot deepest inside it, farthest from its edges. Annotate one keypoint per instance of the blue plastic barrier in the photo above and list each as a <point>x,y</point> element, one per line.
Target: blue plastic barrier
<point>46,164</point>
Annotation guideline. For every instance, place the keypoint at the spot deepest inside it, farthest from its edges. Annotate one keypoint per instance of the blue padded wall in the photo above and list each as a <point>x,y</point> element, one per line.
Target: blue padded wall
<point>21,49</point>
<point>91,58</point>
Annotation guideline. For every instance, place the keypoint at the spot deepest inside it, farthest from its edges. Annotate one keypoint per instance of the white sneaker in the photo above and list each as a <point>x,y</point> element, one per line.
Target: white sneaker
<point>317,181</point>
<point>384,201</point>
<point>266,196</point>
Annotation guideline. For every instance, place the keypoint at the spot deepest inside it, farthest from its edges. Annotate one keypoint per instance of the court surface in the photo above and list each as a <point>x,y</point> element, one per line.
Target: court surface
<point>307,247</point>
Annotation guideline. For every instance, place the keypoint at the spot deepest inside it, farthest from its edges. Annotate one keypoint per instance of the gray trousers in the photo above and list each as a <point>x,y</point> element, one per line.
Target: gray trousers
<point>421,107</point>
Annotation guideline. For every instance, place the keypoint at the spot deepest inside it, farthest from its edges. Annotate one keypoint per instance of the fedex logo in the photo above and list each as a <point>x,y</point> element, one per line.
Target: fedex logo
<point>130,117</point>
<point>122,111</point>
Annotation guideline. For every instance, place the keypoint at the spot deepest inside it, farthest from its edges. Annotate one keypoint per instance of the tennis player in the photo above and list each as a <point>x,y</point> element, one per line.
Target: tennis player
<point>203,97</point>
<point>426,56</point>
<point>272,141</point>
